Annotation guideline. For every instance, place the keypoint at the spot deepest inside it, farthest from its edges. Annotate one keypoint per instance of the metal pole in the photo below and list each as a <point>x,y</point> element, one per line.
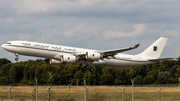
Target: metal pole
<point>159,90</point>
<point>85,99</point>
<point>123,93</point>
<point>36,89</point>
<point>48,92</point>
<point>9,93</point>
<point>86,93</point>
<point>179,82</point>
<point>77,82</point>
<point>132,90</point>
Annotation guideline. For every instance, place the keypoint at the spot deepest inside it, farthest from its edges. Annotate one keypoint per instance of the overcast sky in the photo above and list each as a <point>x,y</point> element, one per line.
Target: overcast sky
<point>92,24</point>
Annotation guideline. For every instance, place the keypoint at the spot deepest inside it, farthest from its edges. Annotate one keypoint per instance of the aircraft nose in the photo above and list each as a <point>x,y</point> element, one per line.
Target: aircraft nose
<point>3,46</point>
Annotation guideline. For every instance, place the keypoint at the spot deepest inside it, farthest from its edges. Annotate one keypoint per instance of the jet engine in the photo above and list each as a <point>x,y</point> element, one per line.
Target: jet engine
<point>65,59</point>
<point>69,59</point>
<point>55,62</point>
<point>93,56</point>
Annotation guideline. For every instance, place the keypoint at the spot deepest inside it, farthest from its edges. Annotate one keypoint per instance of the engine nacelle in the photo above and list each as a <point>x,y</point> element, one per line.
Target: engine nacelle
<point>65,59</point>
<point>55,62</point>
<point>93,56</point>
<point>69,59</point>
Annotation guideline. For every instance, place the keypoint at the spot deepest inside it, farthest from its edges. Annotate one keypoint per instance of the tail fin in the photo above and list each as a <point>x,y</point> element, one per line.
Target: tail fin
<point>154,51</point>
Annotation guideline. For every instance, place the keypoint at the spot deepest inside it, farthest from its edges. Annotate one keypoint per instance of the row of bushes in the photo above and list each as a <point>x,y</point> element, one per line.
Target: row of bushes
<point>25,73</point>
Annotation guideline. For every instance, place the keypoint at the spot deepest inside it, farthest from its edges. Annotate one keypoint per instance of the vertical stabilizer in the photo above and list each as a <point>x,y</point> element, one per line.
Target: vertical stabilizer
<point>155,50</point>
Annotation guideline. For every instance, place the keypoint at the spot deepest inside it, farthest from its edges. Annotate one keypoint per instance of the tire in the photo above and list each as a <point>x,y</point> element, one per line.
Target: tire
<point>84,70</point>
<point>91,69</point>
<point>17,59</point>
<point>79,68</point>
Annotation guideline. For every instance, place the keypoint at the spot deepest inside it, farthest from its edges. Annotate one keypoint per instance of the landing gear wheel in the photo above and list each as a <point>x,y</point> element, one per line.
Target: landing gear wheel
<point>79,68</point>
<point>88,67</point>
<point>84,70</point>
<point>91,69</point>
<point>17,59</point>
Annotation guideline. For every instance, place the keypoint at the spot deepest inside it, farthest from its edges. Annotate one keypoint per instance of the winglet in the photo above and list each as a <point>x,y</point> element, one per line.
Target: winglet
<point>136,46</point>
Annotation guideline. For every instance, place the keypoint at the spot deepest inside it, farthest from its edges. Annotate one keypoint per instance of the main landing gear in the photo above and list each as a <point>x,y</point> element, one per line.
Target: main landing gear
<point>84,69</point>
<point>17,59</point>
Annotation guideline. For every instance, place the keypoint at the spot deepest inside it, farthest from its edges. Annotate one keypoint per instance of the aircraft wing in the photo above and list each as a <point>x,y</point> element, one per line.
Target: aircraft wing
<point>160,59</point>
<point>114,52</point>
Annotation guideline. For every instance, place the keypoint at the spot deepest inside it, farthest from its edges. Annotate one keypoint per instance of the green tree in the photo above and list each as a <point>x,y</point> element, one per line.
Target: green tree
<point>16,72</point>
<point>173,70</point>
<point>117,81</point>
<point>4,80</point>
<point>107,79</point>
<point>138,79</point>
<point>122,75</point>
<point>65,76</point>
<point>163,77</point>
<point>178,72</point>
<point>79,75</point>
<point>108,70</point>
<point>88,77</point>
<point>149,79</point>
<point>97,74</point>
<point>25,75</point>
<point>119,73</point>
<point>168,64</point>
<point>41,75</point>
<point>5,69</point>
<point>152,73</point>
<point>4,61</point>
<point>178,61</point>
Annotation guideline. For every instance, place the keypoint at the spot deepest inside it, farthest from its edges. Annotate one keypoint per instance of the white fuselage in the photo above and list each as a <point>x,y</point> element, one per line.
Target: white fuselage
<point>50,51</point>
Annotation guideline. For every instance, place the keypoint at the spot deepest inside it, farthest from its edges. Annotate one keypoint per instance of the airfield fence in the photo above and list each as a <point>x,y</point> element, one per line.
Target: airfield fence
<point>94,93</point>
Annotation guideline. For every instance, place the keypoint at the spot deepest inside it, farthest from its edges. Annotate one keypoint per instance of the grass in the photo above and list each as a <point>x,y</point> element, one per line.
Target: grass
<point>94,92</point>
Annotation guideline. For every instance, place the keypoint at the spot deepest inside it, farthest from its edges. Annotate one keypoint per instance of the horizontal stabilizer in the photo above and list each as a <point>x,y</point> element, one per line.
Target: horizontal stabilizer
<point>159,60</point>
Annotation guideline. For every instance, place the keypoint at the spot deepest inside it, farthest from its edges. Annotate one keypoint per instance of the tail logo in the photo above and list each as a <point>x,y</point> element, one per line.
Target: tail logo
<point>155,48</point>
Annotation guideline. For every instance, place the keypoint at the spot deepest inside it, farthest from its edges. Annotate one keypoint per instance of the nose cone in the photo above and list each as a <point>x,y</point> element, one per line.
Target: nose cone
<point>7,47</point>
<point>3,46</point>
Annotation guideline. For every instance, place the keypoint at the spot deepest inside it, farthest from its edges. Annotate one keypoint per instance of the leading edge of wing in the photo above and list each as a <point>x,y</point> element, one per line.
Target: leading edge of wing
<point>115,51</point>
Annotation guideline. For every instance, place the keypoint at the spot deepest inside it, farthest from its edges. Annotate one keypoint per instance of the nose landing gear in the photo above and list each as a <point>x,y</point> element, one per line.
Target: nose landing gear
<point>17,59</point>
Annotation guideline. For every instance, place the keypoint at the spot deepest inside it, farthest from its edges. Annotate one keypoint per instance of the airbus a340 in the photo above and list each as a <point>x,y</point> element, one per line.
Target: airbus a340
<point>68,55</point>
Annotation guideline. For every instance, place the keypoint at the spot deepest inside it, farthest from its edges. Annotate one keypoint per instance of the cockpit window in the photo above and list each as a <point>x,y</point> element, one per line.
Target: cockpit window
<point>8,43</point>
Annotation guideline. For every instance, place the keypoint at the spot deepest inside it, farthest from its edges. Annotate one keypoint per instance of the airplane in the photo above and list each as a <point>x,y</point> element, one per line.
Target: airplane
<point>59,54</point>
